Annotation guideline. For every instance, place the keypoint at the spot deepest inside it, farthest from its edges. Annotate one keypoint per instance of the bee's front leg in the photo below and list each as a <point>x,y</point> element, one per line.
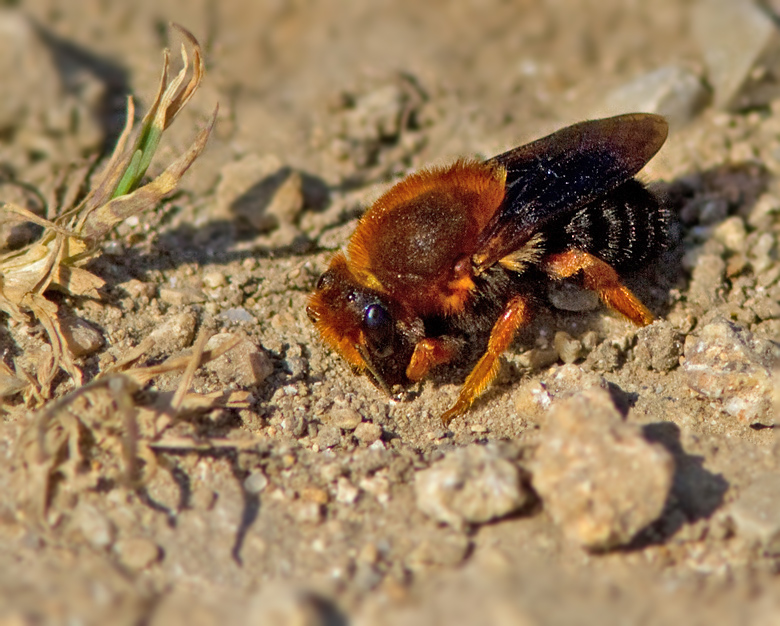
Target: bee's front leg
<point>516,313</point>
<point>428,353</point>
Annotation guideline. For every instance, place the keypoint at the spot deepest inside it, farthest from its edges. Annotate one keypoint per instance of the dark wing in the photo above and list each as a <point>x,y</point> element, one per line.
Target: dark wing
<point>564,171</point>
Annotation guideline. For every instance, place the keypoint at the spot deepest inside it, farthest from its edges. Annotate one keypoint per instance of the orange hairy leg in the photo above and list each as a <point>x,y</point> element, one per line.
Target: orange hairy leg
<point>601,278</point>
<point>514,316</point>
<point>429,353</point>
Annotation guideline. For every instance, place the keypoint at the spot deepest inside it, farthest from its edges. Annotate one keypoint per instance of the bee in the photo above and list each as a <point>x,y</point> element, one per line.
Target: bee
<point>450,253</point>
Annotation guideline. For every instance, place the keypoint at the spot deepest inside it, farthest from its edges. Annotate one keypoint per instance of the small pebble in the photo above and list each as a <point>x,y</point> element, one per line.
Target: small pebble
<point>766,309</point>
<point>346,492</point>
<point>605,357</point>
<point>764,212</point>
<point>346,419</point>
<point>213,279</point>
<point>769,277</point>
<point>756,512</point>
<point>470,485</point>
<point>307,512</point>
<point>728,364</point>
<point>378,486</point>
<point>261,190</point>
<point>532,398</point>
<point>245,364</point>
<point>328,436</point>
<point>181,296</point>
<point>314,494</point>
<point>237,315</point>
<point>137,554</point>
<point>731,233</point>
<point>375,115</point>
<point>369,554</point>
<point>80,336</point>
<point>174,334</point>
<point>240,191</point>
<point>287,201</point>
<point>137,289</point>
<point>569,349</point>
<point>761,252</point>
<point>600,480</point>
<point>538,358</point>
<point>706,283</point>
<point>256,482</point>
<point>368,432</point>
<point>589,340</point>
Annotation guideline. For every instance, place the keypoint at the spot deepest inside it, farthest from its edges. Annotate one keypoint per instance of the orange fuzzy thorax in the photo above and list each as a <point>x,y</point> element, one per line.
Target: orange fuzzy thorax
<point>415,242</point>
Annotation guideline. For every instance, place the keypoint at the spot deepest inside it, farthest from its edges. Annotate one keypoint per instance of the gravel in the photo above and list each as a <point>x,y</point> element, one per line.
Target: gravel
<point>731,366</point>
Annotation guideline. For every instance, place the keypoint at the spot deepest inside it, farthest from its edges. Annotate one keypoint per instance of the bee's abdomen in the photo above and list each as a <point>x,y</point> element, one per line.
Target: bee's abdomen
<point>623,228</point>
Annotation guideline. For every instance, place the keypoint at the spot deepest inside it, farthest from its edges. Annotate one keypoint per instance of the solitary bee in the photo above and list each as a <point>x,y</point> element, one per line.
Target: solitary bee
<point>452,252</point>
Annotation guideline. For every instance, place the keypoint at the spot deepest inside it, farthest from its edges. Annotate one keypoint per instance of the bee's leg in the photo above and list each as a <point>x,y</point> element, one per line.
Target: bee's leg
<point>601,278</point>
<point>514,316</point>
<point>429,353</point>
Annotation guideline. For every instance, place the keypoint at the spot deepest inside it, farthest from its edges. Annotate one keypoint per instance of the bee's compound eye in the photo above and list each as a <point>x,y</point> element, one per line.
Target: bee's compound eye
<point>376,317</point>
<point>379,329</point>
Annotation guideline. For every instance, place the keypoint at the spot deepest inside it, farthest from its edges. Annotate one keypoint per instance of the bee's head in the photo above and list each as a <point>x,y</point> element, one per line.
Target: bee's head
<point>359,324</point>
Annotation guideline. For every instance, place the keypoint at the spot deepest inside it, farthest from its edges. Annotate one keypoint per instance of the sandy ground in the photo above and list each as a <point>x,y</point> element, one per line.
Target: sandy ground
<point>315,520</point>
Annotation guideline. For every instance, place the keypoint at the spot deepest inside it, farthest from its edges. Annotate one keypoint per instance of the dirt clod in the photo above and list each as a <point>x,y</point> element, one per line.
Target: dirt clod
<point>601,481</point>
<point>472,485</point>
<point>659,346</point>
<point>368,432</point>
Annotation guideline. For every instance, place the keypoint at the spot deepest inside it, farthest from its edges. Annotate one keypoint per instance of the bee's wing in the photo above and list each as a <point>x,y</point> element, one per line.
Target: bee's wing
<point>564,171</point>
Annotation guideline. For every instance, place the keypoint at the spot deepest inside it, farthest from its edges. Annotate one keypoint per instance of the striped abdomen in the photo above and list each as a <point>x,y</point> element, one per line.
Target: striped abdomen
<point>624,228</point>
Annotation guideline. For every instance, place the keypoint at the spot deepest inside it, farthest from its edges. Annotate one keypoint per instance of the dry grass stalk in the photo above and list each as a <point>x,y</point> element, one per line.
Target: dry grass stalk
<point>73,236</point>
<point>100,432</point>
